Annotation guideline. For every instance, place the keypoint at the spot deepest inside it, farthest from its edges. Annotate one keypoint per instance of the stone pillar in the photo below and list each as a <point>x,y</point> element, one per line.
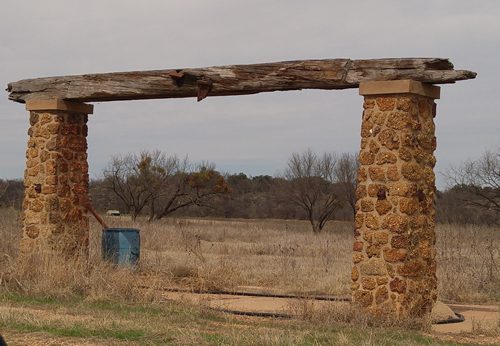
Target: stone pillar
<point>55,179</point>
<point>394,266</point>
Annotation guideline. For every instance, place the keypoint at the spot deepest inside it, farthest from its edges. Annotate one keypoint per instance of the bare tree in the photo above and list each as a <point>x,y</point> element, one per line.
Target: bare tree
<point>163,184</point>
<point>312,186</point>
<point>481,180</point>
<point>346,172</point>
<point>11,193</point>
<point>196,187</point>
<point>4,185</point>
<point>137,179</point>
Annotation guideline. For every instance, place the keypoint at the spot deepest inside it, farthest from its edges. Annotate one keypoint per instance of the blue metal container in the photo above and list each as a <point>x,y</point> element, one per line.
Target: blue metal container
<point>121,246</point>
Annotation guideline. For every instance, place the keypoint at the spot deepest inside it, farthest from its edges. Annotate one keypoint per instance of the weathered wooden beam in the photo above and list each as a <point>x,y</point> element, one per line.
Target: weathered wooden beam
<point>234,79</point>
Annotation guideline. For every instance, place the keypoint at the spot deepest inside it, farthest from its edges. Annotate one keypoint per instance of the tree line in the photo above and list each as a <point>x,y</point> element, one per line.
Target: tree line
<point>313,187</point>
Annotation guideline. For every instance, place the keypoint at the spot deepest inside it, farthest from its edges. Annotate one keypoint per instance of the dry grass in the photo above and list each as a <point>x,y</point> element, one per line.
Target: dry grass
<point>284,255</point>
<point>275,255</point>
<point>110,323</point>
<point>224,254</point>
<point>468,263</point>
<point>53,277</point>
<point>212,254</point>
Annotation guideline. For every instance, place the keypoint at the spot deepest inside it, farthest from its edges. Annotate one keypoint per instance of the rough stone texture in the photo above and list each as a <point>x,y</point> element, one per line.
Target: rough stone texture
<point>394,266</point>
<point>55,179</point>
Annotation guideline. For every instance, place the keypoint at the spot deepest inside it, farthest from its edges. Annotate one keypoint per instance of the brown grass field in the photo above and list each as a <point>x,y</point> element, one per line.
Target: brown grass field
<point>270,255</point>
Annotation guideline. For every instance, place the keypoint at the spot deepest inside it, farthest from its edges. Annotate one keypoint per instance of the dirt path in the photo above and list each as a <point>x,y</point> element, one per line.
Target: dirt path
<point>481,321</point>
<point>250,304</point>
<point>478,318</point>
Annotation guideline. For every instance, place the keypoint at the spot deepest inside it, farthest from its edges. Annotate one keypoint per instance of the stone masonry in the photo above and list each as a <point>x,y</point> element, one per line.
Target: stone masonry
<point>394,266</point>
<point>56,178</point>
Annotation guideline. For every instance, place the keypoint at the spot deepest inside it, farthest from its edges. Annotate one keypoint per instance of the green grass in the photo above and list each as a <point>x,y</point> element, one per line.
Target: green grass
<point>14,297</point>
<point>175,323</point>
<point>216,339</point>
<point>120,309</point>
<point>125,309</point>
<point>75,331</point>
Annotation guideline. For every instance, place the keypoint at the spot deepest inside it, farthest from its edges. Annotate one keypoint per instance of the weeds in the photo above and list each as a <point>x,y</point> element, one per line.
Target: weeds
<point>184,324</point>
<point>468,260</point>
<point>75,331</point>
<point>224,254</point>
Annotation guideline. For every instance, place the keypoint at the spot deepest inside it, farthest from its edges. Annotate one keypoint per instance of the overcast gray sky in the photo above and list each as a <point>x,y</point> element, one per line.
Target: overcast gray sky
<point>252,134</point>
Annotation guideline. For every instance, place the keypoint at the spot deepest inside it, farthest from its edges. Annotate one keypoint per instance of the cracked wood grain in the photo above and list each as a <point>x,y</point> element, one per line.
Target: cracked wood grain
<point>235,79</point>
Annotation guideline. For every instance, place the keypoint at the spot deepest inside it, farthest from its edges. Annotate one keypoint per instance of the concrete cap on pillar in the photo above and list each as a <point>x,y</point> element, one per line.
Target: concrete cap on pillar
<point>405,86</point>
<point>59,105</point>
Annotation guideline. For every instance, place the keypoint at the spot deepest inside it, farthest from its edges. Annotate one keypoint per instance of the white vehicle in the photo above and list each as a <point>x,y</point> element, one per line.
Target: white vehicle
<point>113,213</point>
